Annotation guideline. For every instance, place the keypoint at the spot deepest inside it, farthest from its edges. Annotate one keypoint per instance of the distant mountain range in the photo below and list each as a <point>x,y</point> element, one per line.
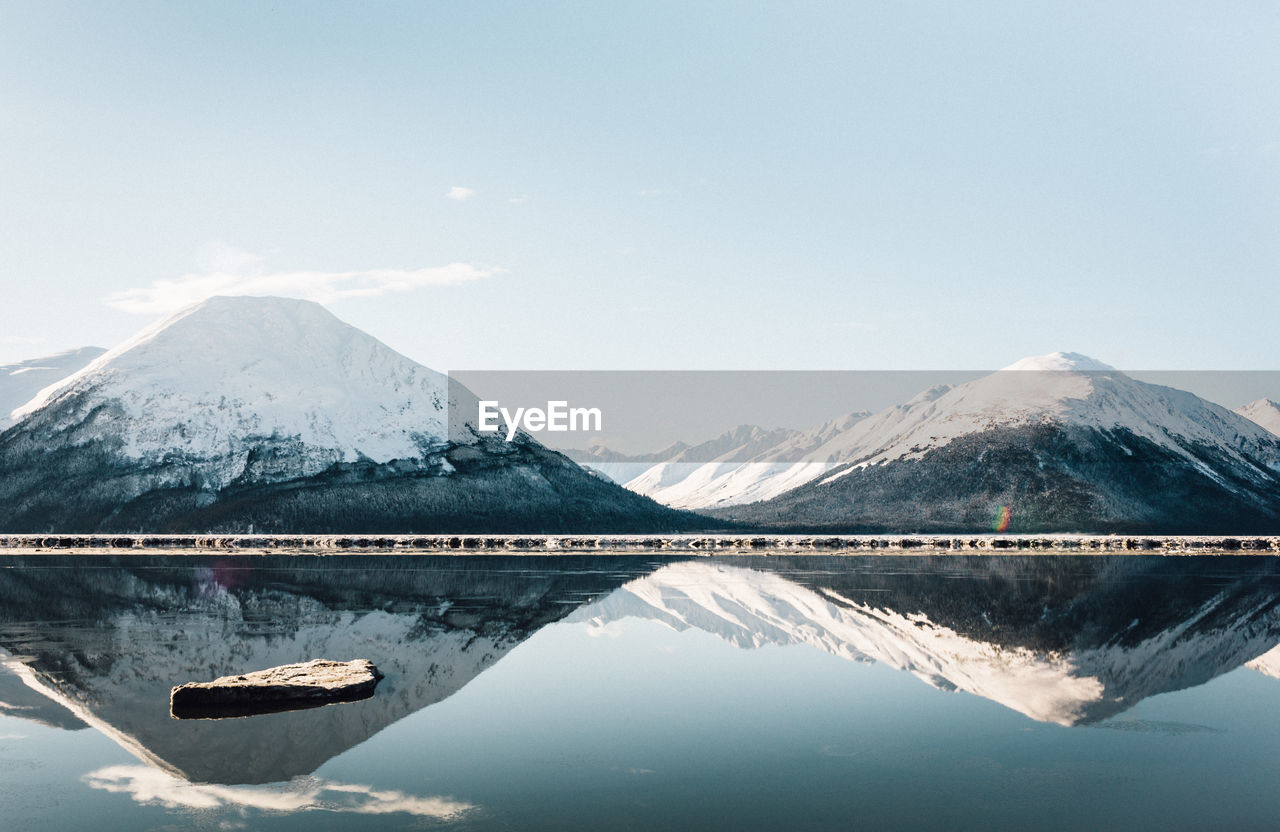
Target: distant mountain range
<point>272,415</point>
<point>741,465</point>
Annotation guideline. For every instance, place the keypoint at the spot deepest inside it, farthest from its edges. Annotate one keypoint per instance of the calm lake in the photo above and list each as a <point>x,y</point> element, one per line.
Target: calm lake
<point>649,692</point>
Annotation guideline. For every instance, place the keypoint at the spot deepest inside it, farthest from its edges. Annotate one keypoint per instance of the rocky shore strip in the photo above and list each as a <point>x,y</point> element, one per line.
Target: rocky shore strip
<point>686,544</point>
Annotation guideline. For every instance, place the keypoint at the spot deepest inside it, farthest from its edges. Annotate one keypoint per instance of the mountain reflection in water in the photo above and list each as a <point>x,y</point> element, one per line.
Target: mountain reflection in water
<point>109,638</point>
<point>100,641</point>
<point>1066,640</point>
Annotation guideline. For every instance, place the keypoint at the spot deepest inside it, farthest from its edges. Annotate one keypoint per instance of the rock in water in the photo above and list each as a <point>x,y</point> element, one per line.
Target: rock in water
<point>287,687</point>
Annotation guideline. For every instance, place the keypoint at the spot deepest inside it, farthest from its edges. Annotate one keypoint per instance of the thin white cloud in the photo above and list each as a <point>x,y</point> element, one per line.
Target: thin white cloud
<point>459,193</point>
<point>228,271</point>
<point>21,340</point>
<point>519,200</point>
<point>151,786</point>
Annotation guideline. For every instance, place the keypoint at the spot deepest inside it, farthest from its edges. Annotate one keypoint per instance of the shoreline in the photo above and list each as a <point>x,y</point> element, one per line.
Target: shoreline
<point>687,544</point>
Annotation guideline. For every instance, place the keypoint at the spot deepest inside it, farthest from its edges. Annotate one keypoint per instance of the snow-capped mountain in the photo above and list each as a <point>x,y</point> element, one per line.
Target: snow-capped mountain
<point>1063,441</point>
<point>272,413</point>
<point>618,466</point>
<point>1264,412</point>
<point>22,380</point>
<point>744,465</point>
<point>599,453</point>
<point>221,378</point>
<point>1036,644</point>
<point>1061,389</point>
<point>673,479</point>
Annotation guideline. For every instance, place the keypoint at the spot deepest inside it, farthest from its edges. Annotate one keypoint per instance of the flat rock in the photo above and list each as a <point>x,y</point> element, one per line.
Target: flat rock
<point>286,687</point>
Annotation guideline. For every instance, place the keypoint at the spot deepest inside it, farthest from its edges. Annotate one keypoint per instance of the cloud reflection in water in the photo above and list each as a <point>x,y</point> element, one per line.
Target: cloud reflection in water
<point>150,786</point>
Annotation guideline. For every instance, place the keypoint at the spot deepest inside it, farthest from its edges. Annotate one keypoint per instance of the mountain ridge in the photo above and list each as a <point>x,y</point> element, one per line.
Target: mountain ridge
<point>22,380</point>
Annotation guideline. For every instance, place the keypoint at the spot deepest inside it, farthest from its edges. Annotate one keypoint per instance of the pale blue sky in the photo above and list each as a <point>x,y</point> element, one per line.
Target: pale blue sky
<point>695,185</point>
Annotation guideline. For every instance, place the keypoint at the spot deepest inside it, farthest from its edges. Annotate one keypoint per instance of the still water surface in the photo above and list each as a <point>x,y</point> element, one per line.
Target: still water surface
<point>771,693</point>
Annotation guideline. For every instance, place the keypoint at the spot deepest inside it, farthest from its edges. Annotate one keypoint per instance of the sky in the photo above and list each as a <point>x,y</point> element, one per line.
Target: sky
<point>685,185</point>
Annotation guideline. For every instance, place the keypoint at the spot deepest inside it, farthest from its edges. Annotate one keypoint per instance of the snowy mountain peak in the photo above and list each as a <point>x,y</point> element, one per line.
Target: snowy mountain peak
<point>215,333</point>
<point>935,392</point>
<point>1264,412</point>
<point>230,374</point>
<point>1060,362</point>
<point>1064,389</point>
